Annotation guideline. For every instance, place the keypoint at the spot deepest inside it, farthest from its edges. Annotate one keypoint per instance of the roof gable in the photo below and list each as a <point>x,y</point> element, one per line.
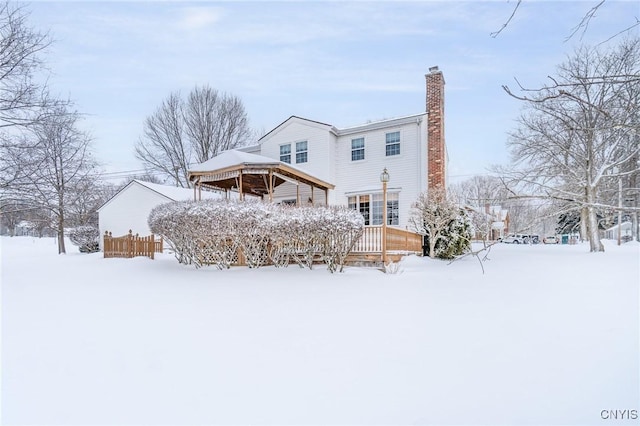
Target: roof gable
<point>300,120</point>
<point>170,193</point>
<point>231,158</point>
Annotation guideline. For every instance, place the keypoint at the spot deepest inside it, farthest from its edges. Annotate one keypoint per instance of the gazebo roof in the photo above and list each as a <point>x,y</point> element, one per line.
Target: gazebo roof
<point>224,172</point>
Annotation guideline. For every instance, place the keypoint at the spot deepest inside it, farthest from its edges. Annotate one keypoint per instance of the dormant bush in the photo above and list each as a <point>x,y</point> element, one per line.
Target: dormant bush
<point>213,232</point>
<point>85,237</point>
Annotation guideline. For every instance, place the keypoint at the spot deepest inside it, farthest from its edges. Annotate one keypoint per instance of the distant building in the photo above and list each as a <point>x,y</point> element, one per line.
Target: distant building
<point>499,221</point>
<point>494,222</point>
<point>625,230</point>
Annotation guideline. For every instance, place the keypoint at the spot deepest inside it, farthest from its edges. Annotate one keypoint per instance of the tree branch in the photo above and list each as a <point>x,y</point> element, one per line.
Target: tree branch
<point>515,9</point>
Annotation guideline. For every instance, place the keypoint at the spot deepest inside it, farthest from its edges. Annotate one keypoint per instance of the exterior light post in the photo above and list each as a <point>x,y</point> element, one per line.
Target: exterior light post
<point>384,178</point>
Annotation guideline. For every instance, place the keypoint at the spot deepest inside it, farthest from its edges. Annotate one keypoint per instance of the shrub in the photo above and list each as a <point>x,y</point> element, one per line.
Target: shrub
<point>211,232</point>
<point>86,237</point>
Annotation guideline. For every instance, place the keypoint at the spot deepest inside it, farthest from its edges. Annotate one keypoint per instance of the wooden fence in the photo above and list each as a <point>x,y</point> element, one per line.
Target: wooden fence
<point>398,240</point>
<point>131,245</point>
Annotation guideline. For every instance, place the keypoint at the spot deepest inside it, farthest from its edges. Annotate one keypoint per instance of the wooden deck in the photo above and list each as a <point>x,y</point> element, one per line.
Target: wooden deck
<point>400,242</point>
<point>368,249</point>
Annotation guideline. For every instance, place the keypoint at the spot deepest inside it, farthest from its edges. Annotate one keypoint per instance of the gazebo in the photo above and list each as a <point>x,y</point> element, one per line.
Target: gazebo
<point>251,174</point>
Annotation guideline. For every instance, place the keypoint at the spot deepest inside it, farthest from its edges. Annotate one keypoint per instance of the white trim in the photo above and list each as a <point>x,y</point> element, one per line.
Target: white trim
<point>287,179</point>
<point>372,191</point>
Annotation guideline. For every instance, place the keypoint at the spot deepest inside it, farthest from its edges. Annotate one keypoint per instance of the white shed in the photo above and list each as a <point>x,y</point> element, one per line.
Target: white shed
<point>130,207</point>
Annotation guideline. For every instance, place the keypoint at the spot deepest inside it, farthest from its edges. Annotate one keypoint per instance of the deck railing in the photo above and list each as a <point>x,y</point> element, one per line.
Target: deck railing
<point>398,240</point>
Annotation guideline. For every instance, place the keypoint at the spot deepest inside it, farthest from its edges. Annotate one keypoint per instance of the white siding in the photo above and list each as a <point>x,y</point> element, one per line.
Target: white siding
<point>406,170</point>
<point>329,158</point>
<point>129,210</point>
<point>318,139</point>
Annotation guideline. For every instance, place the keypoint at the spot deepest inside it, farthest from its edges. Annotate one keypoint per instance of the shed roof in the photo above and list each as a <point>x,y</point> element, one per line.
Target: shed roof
<point>171,193</point>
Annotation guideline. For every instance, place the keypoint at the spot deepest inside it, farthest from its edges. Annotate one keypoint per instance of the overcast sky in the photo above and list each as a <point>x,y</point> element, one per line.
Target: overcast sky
<point>342,63</point>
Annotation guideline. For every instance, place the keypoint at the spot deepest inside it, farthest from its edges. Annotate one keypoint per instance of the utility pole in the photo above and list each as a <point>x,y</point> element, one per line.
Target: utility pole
<point>619,210</point>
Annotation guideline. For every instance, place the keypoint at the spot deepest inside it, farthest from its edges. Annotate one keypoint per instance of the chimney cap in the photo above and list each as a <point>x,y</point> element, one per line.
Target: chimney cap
<point>433,69</point>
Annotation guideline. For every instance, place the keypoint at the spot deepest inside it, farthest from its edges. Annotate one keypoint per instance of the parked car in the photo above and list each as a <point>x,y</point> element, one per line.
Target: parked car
<point>521,239</point>
<point>551,240</point>
<point>514,239</point>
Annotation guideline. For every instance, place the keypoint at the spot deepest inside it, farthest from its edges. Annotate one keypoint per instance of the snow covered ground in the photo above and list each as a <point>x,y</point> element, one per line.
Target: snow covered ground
<point>548,335</point>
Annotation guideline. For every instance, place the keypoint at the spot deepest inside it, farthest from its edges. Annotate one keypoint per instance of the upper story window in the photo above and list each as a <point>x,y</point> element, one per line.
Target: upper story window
<point>393,144</point>
<point>301,152</point>
<point>357,149</point>
<point>285,153</point>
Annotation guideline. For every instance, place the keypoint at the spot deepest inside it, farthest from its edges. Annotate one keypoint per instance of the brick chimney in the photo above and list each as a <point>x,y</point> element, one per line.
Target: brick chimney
<point>436,148</point>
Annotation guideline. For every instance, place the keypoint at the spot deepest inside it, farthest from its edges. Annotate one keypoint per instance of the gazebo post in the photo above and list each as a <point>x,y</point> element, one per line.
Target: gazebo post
<point>195,185</point>
<point>326,197</point>
<point>240,187</point>
<point>312,198</point>
<point>199,190</point>
<point>298,194</point>
<point>270,185</point>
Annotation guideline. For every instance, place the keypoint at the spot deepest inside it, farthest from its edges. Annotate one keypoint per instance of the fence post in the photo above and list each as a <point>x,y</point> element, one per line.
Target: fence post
<point>130,243</point>
<point>106,246</point>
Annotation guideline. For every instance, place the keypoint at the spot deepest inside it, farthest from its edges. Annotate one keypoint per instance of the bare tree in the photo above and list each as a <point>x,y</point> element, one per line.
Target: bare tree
<point>579,135</point>
<point>583,24</point>
<point>480,191</point>
<point>11,213</point>
<point>163,147</point>
<point>24,99</point>
<point>21,98</point>
<point>53,164</point>
<point>197,129</point>
<point>214,122</point>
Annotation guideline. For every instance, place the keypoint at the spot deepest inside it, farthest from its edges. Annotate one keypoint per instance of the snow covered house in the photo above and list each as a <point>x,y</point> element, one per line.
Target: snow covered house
<point>625,229</point>
<point>130,207</point>
<point>499,221</point>
<point>342,166</point>
<point>489,222</point>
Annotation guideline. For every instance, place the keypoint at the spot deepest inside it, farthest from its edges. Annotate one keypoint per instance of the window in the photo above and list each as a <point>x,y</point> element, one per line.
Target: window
<point>393,144</point>
<point>301,152</point>
<point>370,206</point>
<point>353,203</point>
<point>363,203</point>
<point>285,153</point>
<point>393,213</point>
<point>357,149</point>
<point>376,209</point>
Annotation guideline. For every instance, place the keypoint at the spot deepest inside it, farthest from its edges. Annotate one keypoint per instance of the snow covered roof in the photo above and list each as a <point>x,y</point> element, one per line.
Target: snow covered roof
<point>171,193</point>
<point>232,158</point>
<point>624,225</point>
<point>250,148</point>
<point>246,172</point>
<point>175,193</point>
<point>381,124</point>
